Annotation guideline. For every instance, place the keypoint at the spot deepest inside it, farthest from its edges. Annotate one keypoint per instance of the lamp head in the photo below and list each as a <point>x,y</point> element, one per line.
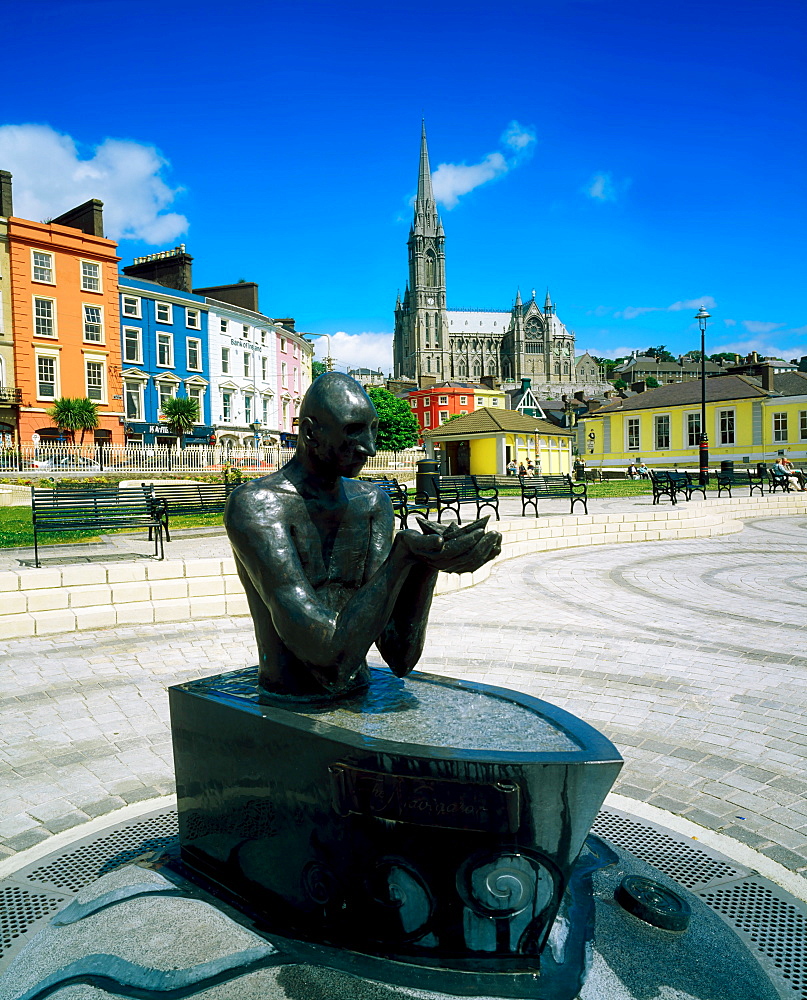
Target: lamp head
<point>701,316</point>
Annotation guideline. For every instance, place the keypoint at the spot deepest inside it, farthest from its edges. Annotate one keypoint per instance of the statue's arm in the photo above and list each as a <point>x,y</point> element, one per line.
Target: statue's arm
<point>401,642</point>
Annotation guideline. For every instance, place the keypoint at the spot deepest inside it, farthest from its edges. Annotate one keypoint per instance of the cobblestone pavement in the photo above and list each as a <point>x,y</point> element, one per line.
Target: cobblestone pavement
<point>690,655</point>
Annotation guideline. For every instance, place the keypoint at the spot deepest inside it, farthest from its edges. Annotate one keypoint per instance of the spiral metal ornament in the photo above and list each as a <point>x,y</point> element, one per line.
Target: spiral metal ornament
<point>319,882</point>
<point>405,903</point>
<point>506,884</point>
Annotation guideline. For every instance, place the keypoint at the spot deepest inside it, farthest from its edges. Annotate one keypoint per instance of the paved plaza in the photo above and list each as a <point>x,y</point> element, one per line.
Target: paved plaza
<point>690,655</point>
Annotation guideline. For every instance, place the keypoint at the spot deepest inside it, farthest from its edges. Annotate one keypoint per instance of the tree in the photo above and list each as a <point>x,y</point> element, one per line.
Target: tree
<point>397,425</point>
<point>88,419</point>
<point>66,414</point>
<point>619,384</point>
<point>722,356</point>
<point>317,368</point>
<point>660,353</point>
<point>181,413</point>
<point>651,382</point>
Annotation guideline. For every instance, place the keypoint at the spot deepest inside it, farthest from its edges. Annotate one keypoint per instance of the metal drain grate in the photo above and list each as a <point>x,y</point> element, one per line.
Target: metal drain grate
<point>90,861</point>
<point>689,866</point>
<point>19,910</point>
<point>775,927</point>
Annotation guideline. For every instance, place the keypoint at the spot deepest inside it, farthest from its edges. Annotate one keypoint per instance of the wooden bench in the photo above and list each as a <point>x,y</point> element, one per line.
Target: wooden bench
<point>402,503</point>
<point>535,488</point>
<point>451,492</point>
<point>670,484</point>
<point>81,508</point>
<point>778,481</point>
<point>726,481</point>
<point>177,499</point>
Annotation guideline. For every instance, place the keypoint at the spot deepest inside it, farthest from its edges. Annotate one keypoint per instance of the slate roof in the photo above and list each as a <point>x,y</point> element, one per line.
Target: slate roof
<point>491,420</point>
<point>686,393</point>
<point>791,383</point>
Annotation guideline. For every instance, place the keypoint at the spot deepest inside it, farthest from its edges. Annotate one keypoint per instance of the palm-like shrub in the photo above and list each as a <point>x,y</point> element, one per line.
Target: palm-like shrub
<point>87,413</point>
<point>180,413</point>
<point>66,415</point>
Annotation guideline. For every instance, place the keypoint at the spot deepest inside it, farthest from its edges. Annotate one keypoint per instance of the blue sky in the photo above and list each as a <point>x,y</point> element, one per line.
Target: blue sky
<point>636,159</point>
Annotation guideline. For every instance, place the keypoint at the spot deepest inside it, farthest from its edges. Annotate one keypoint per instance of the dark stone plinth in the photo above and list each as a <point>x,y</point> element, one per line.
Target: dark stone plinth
<point>448,842</point>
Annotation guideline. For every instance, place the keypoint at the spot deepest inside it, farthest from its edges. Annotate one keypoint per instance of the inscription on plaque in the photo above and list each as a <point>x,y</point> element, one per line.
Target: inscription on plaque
<point>457,805</point>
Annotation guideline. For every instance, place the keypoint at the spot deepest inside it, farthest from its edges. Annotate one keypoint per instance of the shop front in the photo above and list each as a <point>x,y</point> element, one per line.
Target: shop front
<point>163,436</point>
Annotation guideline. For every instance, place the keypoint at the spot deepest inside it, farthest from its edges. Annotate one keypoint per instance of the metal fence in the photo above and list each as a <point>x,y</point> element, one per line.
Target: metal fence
<point>94,459</point>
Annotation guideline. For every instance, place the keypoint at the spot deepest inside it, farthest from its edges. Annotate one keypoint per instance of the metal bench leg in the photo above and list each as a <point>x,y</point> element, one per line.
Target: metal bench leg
<point>36,550</point>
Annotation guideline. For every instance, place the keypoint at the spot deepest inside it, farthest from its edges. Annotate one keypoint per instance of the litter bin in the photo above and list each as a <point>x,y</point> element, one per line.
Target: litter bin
<point>428,469</point>
<point>727,466</point>
<point>762,468</point>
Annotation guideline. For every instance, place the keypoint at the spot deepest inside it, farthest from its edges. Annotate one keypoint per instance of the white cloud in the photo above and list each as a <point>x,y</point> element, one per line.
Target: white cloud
<point>787,344</point>
<point>51,175</point>
<point>730,322</point>
<point>451,181</point>
<point>631,312</point>
<point>755,326</point>
<point>601,188</point>
<point>357,350</point>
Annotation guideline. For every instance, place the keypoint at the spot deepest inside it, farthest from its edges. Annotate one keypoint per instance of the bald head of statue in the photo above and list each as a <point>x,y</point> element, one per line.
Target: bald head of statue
<point>337,427</point>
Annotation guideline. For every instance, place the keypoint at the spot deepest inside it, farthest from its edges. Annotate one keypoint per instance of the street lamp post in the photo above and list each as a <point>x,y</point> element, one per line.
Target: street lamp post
<point>328,361</point>
<point>703,447</point>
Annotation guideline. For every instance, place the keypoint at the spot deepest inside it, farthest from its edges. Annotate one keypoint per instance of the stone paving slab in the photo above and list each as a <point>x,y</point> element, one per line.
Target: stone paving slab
<point>690,655</point>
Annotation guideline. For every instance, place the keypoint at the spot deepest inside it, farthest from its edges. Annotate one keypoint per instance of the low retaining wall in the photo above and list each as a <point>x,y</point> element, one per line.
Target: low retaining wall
<point>46,601</point>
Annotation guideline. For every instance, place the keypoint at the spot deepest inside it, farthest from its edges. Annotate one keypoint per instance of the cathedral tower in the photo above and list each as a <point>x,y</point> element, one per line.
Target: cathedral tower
<point>420,342</point>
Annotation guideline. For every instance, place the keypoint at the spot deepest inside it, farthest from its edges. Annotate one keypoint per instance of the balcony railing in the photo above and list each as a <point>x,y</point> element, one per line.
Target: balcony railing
<point>10,396</point>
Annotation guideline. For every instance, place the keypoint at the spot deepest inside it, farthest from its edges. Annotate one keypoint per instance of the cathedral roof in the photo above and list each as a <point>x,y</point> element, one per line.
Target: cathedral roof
<point>477,322</point>
<point>490,420</point>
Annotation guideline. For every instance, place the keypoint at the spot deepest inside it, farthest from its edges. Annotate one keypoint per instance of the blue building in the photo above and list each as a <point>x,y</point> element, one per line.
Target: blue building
<point>164,353</point>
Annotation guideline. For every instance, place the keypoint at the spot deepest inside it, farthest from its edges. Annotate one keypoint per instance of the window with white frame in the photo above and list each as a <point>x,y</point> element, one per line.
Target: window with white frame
<point>442,400</point>
<point>247,364</point>
<point>42,266</point>
<point>165,390</point>
<point>90,276</point>
<point>265,411</point>
<point>165,350</point>
<point>263,336</point>
<point>226,407</point>
<point>413,403</point>
<point>93,324</point>
<point>284,372</point>
<point>197,394</point>
<point>285,413</point>
<point>44,317</point>
<point>194,351</point>
<point>246,332</point>
<point>133,345</point>
<point>164,312</point>
<point>803,425</point>
<point>780,427</point>
<point>95,380</point>
<point>283,344</point>
<point>427,401</point>
<point>130,306</point>
<point>725,420</point>
<point>225,360</point>
<point>133,398</point>
<point>662,431</point>
<point>443,416</point>
<point>633,433</point>
<point>427,419</point>
<point>223,325</point>
<point>480,400</point>
<point>193,319</point>
<point>693,423</point>
<point>463,400</point>
<point>47,376</point>
<point>494,402</point>
<point>264,368</point>
<point>248,409</point>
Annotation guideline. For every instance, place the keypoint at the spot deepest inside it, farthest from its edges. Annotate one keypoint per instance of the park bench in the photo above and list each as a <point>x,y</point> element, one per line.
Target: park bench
<point>402,503</point>
<point>726,481</point>
<point>670,484</point>
<point>80,508</point>
<point>177,499</point>
<point>535,488</point>
<point>451,492</point>
<point>778,481</point>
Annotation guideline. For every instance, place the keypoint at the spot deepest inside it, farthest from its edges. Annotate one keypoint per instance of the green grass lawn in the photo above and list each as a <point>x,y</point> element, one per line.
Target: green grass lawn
<point>16,530</point>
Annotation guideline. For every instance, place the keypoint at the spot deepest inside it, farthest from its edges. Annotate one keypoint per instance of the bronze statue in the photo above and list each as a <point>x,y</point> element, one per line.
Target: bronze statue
<point>323,574</point>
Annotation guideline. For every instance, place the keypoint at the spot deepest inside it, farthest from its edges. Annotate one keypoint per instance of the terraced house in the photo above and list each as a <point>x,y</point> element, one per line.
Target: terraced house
<point>64,291</point>
<point>747,421</point>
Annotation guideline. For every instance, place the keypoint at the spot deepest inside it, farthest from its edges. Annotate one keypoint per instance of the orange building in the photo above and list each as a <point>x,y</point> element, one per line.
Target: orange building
<point>65,313</point>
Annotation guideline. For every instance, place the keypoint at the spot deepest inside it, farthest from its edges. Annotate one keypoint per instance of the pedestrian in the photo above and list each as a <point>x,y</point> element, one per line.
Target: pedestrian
<point>521,470</point>
<point>512,468</point>
<point>793,471</point>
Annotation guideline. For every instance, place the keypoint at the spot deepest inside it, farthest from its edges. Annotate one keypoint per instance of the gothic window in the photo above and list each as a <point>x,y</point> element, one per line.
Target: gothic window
<point>491,368</point>
<point>477,369</point>
<point>429,267</point>
<point>428,364</point>
<point>557,368</point>
<point>462,369</point>
<point>565,368</point>
<point>507,370</point>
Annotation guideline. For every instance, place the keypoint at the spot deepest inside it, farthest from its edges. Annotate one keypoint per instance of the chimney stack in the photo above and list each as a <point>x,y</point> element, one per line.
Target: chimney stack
<point>426,381</point>
<point>171,268</point>
<point>767,377</point>
<point>87,218</point>
<point>6,205</point>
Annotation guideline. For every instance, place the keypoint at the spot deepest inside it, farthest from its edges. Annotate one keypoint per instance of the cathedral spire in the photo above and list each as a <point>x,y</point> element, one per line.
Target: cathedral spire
<point>424,203</point>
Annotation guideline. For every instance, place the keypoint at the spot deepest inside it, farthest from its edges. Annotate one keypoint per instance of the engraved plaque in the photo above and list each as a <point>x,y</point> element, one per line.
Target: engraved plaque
<point>457,805</point>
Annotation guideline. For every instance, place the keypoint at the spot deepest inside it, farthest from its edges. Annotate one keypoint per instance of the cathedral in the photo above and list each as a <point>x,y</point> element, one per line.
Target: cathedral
<point>528,341</point>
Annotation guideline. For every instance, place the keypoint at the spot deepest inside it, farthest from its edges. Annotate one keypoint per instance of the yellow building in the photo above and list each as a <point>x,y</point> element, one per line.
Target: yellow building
<point>744,423</point>
<point>483,443</point>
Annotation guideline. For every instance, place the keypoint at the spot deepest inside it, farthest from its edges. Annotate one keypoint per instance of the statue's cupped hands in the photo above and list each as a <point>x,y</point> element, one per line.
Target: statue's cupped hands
<point>452,548</point>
